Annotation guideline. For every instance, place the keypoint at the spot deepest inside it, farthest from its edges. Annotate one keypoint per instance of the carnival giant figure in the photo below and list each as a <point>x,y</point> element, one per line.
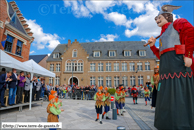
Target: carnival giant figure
<point>175,96</point>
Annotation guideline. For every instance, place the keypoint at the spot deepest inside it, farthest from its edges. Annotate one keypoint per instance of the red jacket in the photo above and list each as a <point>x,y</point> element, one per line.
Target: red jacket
<point>186,34</point>
<point>134,92</point>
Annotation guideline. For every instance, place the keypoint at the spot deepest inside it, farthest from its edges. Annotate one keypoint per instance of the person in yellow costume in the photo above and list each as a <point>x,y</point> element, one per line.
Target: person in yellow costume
<point>99,97</point>
<point>147,94</point>
<point>155,81</point>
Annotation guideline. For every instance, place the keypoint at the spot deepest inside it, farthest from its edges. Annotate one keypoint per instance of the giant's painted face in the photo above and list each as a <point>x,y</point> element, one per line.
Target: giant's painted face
<point>160,20</point>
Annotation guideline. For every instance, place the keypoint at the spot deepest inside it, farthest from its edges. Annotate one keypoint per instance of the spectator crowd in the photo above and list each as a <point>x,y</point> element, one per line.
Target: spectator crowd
<point>18,84</point>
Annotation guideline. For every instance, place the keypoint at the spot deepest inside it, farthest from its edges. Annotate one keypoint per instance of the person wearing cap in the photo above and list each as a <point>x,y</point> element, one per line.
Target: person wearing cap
<point>123,98</point>
<point>147,95</point>
<point>134,93</point>
<point>106,103</point>
<point>99,97</point>
<point>58,103</point>
<point>175,96</point>
<point>118,95</point>
<point>154,81</point>
<point>53,110</point>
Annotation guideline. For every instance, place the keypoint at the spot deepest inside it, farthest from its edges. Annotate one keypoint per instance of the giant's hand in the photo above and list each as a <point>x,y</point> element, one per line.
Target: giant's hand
<point>152,41</point>
<point>188,61</point>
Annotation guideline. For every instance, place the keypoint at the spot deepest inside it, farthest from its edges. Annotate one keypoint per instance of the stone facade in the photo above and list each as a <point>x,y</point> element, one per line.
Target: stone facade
<point>84,77</point>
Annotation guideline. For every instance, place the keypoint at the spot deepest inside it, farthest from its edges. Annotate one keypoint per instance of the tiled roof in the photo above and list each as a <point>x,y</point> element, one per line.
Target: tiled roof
<point>105,47</point>
<point>17,24</point>
<point>37,58</point>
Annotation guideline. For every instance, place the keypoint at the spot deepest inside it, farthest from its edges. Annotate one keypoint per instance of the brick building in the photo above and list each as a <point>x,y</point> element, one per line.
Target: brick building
<point>101,63</point>
<point>39,59</point>
<point>15,30</point>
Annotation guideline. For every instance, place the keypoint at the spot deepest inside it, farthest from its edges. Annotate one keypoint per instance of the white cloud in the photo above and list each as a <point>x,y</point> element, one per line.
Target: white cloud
<point>49,54</point>
<point>32,52</point>
<point>42,39</point>
<point>108,37</point>
<point>118,19</point>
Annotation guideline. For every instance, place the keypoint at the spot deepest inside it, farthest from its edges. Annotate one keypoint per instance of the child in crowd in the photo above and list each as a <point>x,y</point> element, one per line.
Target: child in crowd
<point>106,103</point>
<point>134,93</point>
<point>118,96</point>
<point>147,94</point>
<point>53,111</point>
<point>56,103</point>
<point>64,93</point>
<point>100,98</point>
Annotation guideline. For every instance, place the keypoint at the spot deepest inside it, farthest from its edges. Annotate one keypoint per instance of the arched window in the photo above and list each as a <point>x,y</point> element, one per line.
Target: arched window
<point>80,65</point>
<point>74,53</point>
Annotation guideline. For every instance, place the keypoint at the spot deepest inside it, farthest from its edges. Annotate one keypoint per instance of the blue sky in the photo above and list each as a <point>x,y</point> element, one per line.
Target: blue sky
<point>54,22</point>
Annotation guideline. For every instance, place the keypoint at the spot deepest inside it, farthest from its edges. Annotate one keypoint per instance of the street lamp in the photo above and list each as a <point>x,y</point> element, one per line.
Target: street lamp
<point>72,75</point>
<point>72,71</point>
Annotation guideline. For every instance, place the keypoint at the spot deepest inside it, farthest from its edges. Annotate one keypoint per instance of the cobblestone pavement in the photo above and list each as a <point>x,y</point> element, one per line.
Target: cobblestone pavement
<point>78,114</point>
<point>145,113</point>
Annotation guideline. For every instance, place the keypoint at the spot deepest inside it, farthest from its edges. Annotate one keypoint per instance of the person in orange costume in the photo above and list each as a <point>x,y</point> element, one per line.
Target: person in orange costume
<point>53,111</point>
<point>58,102</point>
<point>118,96</point>
<point>134,93</point>
<point>99,97</point>
<point>106,103</point>
<point>154,81</point>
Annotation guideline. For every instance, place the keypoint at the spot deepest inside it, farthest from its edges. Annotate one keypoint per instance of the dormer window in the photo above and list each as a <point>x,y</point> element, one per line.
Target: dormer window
<point>142,53</point>
<point>96,53</point>
<point>127,53</point>
<point>56,55</point>
<point>13,18</point>
<point>112,53</point>
<point>74,53</point>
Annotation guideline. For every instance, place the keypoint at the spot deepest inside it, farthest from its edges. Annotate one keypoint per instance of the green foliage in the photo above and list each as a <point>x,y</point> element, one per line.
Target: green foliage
<point>111,91</point>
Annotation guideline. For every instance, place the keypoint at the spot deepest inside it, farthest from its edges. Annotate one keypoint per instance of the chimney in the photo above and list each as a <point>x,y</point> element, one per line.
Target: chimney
<point>69,43</point>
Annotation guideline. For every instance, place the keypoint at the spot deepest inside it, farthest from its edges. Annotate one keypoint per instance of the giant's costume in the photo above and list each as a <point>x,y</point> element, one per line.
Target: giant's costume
<point>175,96</point>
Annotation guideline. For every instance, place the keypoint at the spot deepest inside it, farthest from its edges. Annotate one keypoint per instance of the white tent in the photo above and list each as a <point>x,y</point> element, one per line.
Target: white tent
<point>39,70</point>
<point>10,62</point>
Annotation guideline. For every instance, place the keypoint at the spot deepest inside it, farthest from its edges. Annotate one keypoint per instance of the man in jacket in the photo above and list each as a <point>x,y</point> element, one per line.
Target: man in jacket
<point>27,88</point>
<point>4,79</point>
<point>38,88</point>
<point>13,87</point>
<point>20,88</point>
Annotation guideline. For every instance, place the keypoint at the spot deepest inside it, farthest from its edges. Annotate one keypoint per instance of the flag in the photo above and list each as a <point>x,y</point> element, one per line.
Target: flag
<point>3,43</point>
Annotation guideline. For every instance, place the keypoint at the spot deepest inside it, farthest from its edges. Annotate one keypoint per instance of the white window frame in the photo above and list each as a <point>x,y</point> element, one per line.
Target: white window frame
<point>80,66</point>
<point>147,65</point>
<point>125,80</point>
<point>92,80</point>
<point>116,81</point>
<point>56,55</point>
<point>68,67</point>
<point>132,66</point>
<point>140,66</point>
<point>108,66</point>
<point>51,67</point>
<point>100,81</point>
<point>100,67</point>
<point>116,66</point>
<point>127,52</point>
<point>51,80</point>
<point>57,80</point>
<point>142,53</point>
<point>140,80</point>
<point>124,66</point>
<point>58,67</point>
<point>92,66</point>
<point>96,54</point>
<point>108,81</point>
<point>113,53</point>
<point>132,80</point>
<point>74,50</point>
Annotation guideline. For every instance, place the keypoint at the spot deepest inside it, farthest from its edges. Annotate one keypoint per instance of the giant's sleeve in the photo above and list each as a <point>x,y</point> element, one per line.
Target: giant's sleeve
<point>186,34</point>
<point>155,50</point>
<point>152,80</point>
<point>55,111</point>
